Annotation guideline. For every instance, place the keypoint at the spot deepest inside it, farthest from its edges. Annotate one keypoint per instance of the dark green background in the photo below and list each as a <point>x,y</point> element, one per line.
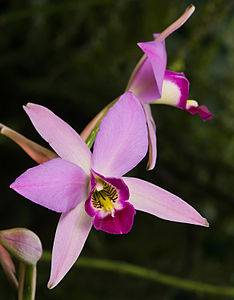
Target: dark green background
<point>75,57</point>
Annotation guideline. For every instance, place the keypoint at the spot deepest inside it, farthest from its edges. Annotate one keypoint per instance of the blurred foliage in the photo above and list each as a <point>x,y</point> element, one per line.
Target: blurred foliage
<point>75,57</point>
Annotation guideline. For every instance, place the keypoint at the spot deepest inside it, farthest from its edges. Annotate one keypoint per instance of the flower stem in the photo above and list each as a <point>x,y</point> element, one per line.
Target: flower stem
<point>27,281</point>
<point>130,269</point>
<point>91,138</point>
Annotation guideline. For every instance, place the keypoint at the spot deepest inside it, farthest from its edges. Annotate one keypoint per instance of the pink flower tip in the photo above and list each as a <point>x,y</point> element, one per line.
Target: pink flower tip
<point>206,223</point>
<point>202,111</point>
<point>22,243</point>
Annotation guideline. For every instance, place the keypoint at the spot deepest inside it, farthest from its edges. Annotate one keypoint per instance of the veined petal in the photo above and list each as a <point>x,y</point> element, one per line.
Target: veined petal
<point>62,138</point>
<point>57,184</point>
<point>121,142</point>
<point>175,90</point>
<point>154,200</point>
<point>71,234</point>
<point>152,136</point>
<point>147,82</point>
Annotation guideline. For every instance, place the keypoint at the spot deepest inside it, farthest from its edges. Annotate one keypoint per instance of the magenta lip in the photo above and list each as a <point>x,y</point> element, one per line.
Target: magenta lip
<point>123,217</point>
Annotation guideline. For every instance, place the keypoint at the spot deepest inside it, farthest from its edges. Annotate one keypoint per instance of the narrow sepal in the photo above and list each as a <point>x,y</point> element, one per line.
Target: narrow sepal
<point>71,233</point>
<point>65,141</point>
<point>154,200</point>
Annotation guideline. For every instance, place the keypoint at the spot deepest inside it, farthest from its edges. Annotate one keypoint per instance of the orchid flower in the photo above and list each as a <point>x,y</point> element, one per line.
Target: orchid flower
<point>153,84</point>
<point>88,189</point>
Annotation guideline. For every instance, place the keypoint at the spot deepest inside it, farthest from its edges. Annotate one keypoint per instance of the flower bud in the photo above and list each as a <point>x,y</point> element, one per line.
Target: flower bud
<point>22,243</point>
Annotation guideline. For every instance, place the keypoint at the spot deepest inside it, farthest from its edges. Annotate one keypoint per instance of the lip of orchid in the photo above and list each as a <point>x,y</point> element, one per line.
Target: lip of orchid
<point>106,195</point>
<point>108,204</point>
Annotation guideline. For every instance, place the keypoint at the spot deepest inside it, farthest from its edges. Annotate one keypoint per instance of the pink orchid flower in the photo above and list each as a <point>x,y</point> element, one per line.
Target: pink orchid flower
<point>153,84</point>
<point>88,189</point>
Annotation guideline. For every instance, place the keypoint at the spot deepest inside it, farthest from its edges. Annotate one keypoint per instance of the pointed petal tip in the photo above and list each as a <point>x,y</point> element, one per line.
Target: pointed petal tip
<point>50,285</point>
<point>206,223</point>
<point>149,167</point>
<point>191,8</point>
<point>27,106</point>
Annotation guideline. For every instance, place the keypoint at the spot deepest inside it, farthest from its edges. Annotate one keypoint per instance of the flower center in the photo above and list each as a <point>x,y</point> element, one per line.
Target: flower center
<point>104,196</point>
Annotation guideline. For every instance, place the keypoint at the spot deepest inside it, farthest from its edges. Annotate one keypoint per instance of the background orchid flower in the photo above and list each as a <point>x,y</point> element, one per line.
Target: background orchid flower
<point>153,84</point>
<point>89,188</point>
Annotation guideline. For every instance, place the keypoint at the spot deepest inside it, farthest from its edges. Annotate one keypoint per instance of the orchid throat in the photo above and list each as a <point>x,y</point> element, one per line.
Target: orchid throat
<point>104,196</point>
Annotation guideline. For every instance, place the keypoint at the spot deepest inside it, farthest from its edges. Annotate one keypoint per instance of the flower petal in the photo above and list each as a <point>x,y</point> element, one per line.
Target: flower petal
<point>62,138</point>
<point>119,224</point>
<point>34,150</point>
<point>175,90</point>
<point>121,142</point>
<point>57,184</point>
<point>152,137</point>
<point>71,234</point>
<point>147,82</point>
<point>154,200</point>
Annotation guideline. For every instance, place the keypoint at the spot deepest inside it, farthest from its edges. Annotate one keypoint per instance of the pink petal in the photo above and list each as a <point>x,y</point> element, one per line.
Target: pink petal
<point>71,234</point>
<point>152,137</point>
<point>121,142</point>
<point>154,200</point>
<point>62,138</point>
<point>147,82</point>
<point>57,184</point>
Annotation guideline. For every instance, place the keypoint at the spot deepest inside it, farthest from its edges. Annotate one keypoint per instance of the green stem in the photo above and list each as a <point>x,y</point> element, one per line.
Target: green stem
<point>27,281</point>
<point>130,269</point>
<point>91,138</point>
